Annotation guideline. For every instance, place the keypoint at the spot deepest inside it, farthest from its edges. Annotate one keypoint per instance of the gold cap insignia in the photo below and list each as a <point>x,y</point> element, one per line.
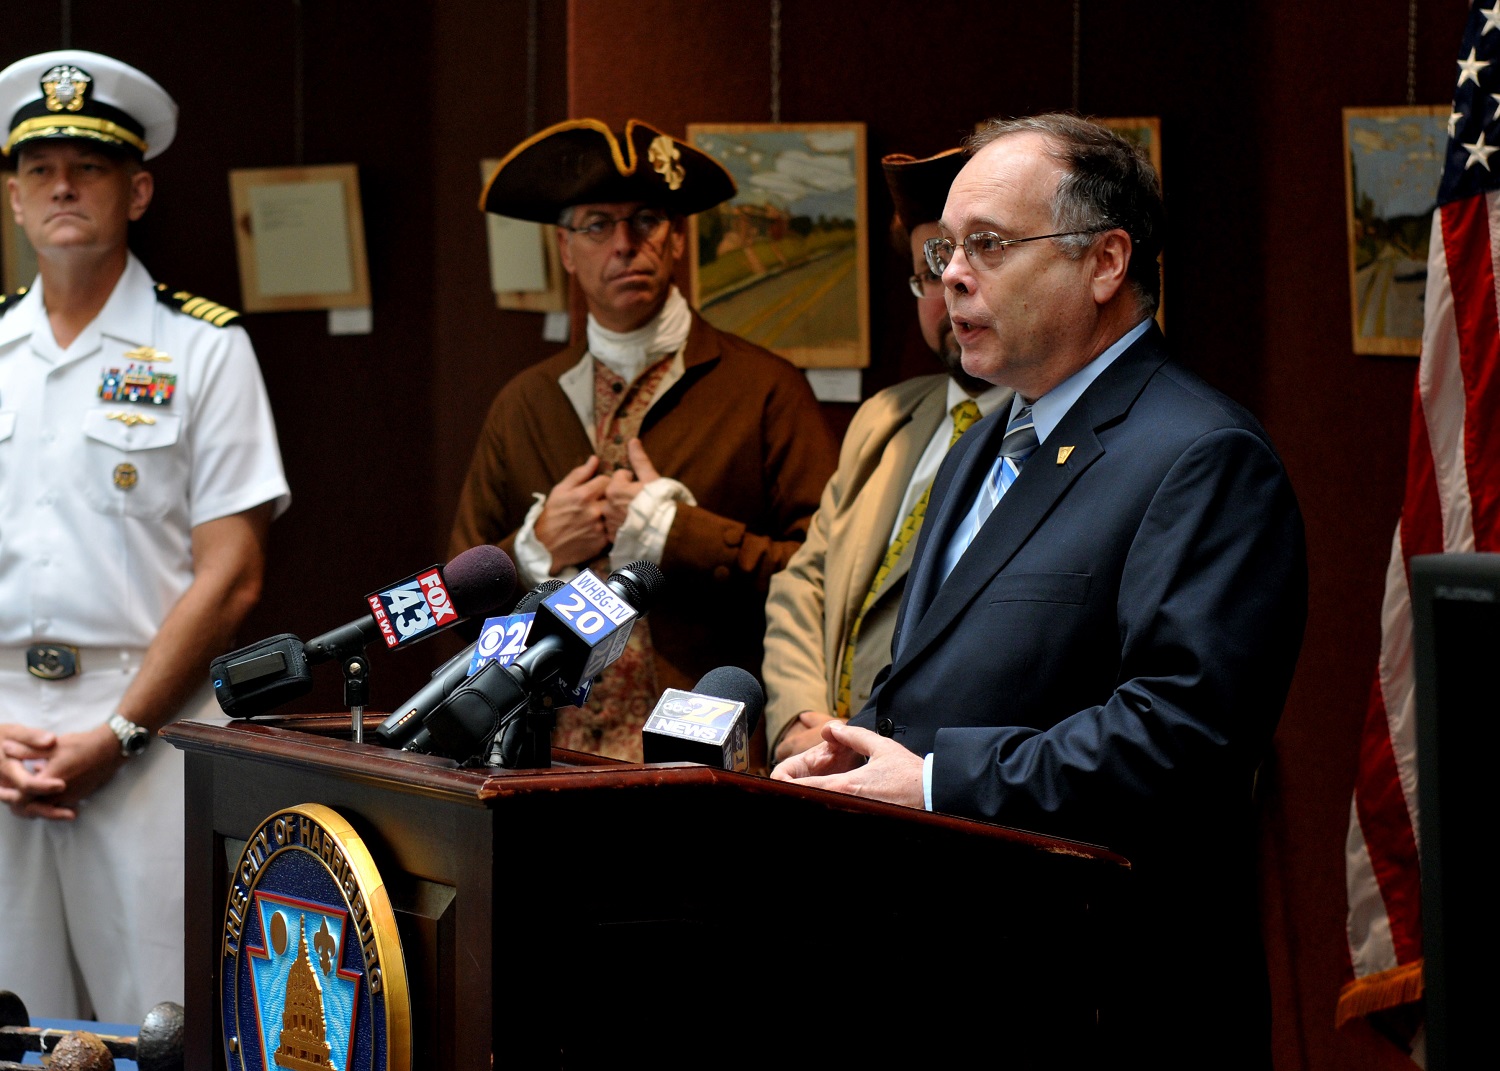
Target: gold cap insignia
<point>664,155</point>
<point>146,354</point>
<point>126,476</point>
<point>65,86</point>
<point>1063,453</point>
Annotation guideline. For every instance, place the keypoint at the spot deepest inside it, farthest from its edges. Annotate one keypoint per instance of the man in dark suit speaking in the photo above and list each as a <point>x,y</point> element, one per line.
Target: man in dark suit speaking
<point>1108,596</point>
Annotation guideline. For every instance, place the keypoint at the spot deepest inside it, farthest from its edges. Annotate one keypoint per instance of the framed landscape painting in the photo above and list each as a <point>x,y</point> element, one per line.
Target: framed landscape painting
<point>785,263</point>
<point>1393,163</point>
<point>1144,132</point>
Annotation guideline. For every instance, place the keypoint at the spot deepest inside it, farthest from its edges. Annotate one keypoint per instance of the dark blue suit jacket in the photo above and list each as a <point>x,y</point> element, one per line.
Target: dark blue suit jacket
<point>1109,658</point>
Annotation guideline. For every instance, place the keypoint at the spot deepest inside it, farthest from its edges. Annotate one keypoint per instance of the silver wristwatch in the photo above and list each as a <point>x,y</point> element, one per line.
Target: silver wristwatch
<point>133,737</point>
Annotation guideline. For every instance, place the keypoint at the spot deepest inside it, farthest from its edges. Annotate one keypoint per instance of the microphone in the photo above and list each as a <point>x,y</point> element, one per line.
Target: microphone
<point>477,582</point>
<point>579,629</point>
<point>527,603</point>
<point>263,675</point>
<point>587,623</point>
<point>710,725</point>
<point>406,721</point>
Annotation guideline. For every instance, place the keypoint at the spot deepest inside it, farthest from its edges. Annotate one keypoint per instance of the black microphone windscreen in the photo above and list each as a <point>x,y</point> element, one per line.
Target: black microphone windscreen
<point>642,582</point>
<point>738,686</point>
<point>480,581</point>
<point>529,601</point>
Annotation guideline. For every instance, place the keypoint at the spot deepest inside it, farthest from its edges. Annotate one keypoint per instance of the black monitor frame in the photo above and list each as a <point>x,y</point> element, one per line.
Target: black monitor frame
<point>1456,623</point>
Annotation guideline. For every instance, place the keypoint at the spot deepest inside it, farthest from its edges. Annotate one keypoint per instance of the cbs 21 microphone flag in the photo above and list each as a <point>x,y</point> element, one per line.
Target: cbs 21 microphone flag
<point>1452,505</point>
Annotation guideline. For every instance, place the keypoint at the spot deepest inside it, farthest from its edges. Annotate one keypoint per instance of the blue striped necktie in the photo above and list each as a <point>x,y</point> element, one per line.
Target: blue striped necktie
<point>1020,442</point>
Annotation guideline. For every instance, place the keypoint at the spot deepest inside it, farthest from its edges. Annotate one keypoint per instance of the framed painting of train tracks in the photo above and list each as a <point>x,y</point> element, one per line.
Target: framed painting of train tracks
<point>1393,163</point>
<point>785,263</point>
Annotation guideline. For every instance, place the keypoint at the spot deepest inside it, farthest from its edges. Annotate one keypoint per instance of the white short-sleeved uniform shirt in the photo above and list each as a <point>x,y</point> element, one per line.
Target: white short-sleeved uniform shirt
<point>99,487</point>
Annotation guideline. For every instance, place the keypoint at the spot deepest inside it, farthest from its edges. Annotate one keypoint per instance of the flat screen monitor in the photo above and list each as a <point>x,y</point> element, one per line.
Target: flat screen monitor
<point>1456,619</point>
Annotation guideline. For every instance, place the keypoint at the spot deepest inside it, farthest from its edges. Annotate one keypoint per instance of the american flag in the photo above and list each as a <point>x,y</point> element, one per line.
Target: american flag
<point>1452,505</point>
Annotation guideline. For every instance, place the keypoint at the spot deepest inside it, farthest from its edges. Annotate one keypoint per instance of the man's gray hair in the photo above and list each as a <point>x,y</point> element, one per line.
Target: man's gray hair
<point>1108,183</point>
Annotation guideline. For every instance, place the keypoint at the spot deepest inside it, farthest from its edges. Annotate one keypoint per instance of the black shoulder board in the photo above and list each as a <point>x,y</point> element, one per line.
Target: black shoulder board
<point>193,305</point>
<point>10,301</point>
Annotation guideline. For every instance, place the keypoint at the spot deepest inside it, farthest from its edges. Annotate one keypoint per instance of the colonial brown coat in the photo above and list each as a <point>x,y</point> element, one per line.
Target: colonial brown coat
<point>740,429</point>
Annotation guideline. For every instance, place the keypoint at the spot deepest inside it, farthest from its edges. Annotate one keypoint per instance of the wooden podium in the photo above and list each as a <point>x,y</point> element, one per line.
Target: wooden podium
<point>594,910</point>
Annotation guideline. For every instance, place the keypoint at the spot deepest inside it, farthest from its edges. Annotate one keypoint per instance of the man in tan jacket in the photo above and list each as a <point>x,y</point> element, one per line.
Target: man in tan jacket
<point>831,613</point>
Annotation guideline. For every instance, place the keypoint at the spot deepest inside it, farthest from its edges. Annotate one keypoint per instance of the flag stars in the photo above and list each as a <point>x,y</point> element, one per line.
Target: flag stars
<point>1469,68</point>
<point>1479,152</point>
<point>1455,120</point>
<point>1491,19</point>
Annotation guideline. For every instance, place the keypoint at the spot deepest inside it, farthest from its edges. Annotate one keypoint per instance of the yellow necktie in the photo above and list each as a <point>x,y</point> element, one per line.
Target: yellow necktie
<point>965,413</point>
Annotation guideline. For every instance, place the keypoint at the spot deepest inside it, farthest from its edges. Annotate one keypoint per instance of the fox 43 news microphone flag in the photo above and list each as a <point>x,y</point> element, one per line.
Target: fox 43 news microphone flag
<point>1452,505</point>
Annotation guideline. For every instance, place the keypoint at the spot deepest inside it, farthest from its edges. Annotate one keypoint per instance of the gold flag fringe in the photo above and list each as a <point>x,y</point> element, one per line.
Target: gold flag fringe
<point>1379,992</point>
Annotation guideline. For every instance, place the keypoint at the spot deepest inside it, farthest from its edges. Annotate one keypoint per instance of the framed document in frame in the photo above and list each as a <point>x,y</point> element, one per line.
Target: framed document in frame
<point>300,236</point>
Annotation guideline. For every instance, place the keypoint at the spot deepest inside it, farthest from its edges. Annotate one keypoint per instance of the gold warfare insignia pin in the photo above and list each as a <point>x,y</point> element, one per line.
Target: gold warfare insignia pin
<point>147,354</point>
<point>664,156</point>
<point>65,88</point>
<point>126,476</point>
<point>312,975</point>
<point>1063,453</point>
<point>130,420</point>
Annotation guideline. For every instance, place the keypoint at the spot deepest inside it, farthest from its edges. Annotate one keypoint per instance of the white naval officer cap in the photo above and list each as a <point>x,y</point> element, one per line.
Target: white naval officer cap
<point>84,95</point>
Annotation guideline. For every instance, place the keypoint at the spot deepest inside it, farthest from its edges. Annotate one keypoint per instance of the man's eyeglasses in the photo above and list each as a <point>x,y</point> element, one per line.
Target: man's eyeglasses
<point>985,249</point>
<point>924,284</point>
<point>644,223</point>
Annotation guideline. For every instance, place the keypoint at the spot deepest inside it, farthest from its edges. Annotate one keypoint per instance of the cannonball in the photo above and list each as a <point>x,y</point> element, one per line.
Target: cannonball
<point>159,1047</point>
<point>81,1051</point>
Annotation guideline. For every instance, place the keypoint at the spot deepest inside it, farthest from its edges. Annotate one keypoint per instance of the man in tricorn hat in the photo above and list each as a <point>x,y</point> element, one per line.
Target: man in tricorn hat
<point>656,437</point>
<point>831,612</point>
<point>138,474</point>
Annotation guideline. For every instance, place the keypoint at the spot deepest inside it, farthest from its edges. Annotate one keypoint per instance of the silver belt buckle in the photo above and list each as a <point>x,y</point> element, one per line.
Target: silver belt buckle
<point>52,661</point>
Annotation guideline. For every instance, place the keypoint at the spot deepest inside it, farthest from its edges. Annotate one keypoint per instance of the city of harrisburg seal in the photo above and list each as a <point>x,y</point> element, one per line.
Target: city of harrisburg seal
<point>312,973</point>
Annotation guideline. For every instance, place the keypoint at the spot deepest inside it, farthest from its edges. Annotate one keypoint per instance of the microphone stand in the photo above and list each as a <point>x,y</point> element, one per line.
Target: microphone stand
<point>357,692</point>
<point>347,643</point>
<point>525,742</point>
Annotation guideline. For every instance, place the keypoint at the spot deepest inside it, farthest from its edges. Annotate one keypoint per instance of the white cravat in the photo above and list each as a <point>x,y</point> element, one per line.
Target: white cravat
<point>628,353</point>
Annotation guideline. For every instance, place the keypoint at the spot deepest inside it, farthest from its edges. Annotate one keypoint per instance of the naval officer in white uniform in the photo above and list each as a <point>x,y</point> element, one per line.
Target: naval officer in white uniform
<point>139,473</point>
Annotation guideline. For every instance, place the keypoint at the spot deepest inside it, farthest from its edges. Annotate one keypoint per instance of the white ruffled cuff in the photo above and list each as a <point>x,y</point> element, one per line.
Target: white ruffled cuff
<point>643,536</point>
<point>533,561</point>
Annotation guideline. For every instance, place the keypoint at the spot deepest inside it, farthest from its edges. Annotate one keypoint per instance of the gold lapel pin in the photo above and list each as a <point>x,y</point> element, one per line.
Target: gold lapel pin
<point>1063,453</point>
<point>147,355</point>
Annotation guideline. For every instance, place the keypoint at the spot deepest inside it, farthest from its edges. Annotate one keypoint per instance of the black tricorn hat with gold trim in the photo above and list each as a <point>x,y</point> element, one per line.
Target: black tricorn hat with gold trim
<point>582,161</point>
<point>73,94</point>
<point>920,187</point>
